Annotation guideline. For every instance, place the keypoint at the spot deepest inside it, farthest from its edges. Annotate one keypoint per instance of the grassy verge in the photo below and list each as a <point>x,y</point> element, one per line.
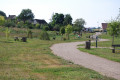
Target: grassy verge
<point>33,60</point>
<point>104,52</point>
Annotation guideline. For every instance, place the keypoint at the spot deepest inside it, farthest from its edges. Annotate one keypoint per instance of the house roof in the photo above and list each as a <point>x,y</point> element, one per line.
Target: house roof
<point>12,17</point>
<point>42,21</point>
<point>104,26</point>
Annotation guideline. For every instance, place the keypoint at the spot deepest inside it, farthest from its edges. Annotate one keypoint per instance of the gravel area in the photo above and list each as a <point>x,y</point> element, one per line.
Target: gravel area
<point>69,51</point>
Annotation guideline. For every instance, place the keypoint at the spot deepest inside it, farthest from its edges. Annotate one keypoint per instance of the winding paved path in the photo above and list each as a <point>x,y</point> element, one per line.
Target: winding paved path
<point>69,51</point>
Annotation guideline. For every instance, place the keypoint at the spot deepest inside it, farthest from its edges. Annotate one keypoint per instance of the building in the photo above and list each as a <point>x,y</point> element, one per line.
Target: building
<point>104,26</point>
<point>39,21</point>
<point>12,17</point>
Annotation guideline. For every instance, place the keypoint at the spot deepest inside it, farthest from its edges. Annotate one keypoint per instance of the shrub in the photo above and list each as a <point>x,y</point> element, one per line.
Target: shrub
<point>46,28</point>
<point>29,34</point>
<point>44,35</point>
<point>37,26</point>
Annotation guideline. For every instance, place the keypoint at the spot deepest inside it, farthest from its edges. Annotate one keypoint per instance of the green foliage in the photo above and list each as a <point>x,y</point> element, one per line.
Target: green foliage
<point>67,19</point>
<point>62,30</point>
<point>68,30</point>
<point>2,20</point>
<point>9,23</point>
<point>7,32</point>
<point>2,14</point>
<point>56,27</point>
<point>45,27</point>
<point>29,33</point>
<point>20,24</point>
<point>37,26</point>
<point>79,24</point>
<point>59,20</point>
<point>114,29</point>
<point>44,35</point>
<point>25,15</point>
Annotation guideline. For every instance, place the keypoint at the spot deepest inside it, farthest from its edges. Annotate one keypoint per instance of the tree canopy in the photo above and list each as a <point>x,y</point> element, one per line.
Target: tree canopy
<point>2,20</point>
<point>114,29</point>
<point>67,19</point>
<point>61,20</point>
<point>79,24</point>
<point>26,14</point>
<point>68,29</point>
<point>2,14</point>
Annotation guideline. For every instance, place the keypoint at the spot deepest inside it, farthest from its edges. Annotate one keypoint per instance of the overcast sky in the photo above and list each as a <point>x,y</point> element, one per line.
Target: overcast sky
<point>94,12</point>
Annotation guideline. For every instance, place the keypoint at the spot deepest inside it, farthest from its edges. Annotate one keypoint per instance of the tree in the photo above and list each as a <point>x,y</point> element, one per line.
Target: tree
<point>80,24</point>
<point>67,19</point>
<point>2,14</point>
<point>62,31</point>
<point>25,15</point>
<point>114,29</point>
<point>2,20</point>
<point>58,18</point>
<point>68,30</point>
<point>56,21</point>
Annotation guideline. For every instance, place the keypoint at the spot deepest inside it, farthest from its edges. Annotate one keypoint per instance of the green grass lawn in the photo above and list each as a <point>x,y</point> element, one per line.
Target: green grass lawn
<point>33,60</point>
<point>107,52</point>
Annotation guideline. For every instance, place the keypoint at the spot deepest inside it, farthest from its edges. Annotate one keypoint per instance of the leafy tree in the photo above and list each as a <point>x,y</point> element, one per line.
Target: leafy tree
<point>80,24</point>
<point>2,14</point>
<point>25,15</point>
<point>62,31</point>
<point>2,20</point>
<point>67,19</point>
<point>68,30</point>
<point>114,29</point>
<point>58,18</point>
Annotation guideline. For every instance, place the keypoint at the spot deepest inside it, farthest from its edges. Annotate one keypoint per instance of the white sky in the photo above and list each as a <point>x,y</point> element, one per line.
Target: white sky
<point>94,12</point>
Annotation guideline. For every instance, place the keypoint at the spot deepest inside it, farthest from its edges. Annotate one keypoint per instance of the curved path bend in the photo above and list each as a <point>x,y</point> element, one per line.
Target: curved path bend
<point>69,51</point>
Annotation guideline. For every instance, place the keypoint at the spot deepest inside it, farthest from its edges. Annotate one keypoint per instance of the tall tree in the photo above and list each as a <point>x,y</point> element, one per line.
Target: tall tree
<point>79,23</point>
<point>25,15</point>
<point>67,19</point>
<point>58,18</point>
<point>114,29</point>
<point>2,14</point>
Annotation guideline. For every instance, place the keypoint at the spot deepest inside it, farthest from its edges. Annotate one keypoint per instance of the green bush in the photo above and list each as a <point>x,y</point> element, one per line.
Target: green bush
<point>46,28</point>
<point>44,35</point>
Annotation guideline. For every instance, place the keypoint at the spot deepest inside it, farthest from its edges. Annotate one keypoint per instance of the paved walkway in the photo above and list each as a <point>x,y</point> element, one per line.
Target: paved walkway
<point>69,51</point>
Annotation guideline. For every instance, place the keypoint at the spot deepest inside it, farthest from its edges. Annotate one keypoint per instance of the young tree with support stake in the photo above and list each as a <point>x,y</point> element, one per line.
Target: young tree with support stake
<point>68,30</point>
<point>114,29</point>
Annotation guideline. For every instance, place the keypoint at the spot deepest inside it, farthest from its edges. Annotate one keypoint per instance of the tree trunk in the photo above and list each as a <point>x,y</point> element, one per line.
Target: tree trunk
<point>113,40</point>
<point>68,36</point>
<point>62,37</point>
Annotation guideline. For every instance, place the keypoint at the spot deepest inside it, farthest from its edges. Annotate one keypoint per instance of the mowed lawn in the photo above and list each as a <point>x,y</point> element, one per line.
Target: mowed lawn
<point>33,60</point>
<point>105,52</point>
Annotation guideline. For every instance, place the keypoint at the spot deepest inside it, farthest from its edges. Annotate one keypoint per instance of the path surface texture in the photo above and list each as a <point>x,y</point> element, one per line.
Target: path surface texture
<point>69,51</point>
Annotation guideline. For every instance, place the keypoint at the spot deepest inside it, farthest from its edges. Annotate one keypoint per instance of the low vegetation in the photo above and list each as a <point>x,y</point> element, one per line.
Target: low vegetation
<point>33,60</point>
<point>105,52</point>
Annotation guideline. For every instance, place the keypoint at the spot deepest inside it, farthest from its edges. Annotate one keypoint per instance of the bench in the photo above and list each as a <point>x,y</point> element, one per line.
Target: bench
<point>115,45</point>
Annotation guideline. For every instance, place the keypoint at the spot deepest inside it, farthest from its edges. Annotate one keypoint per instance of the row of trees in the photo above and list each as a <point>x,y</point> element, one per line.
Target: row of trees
<point>26,16</point>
